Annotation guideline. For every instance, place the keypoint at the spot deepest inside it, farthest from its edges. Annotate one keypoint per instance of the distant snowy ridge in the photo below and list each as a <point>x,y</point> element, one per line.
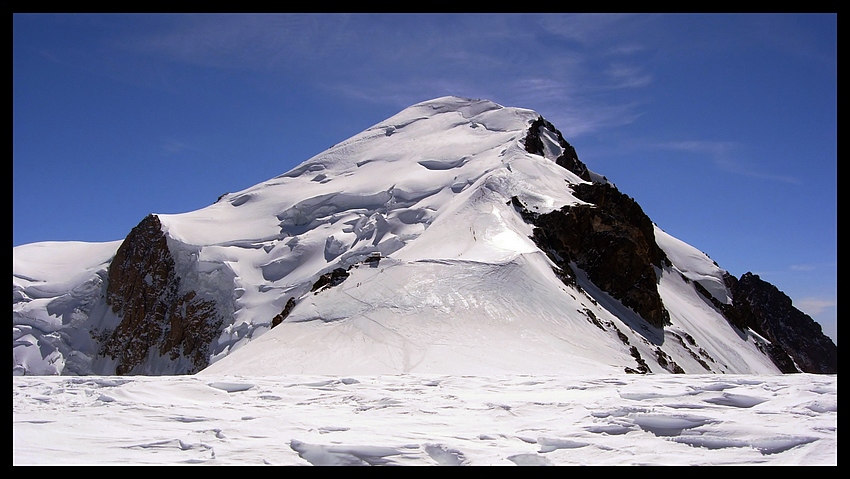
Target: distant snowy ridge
<point>441,240</point>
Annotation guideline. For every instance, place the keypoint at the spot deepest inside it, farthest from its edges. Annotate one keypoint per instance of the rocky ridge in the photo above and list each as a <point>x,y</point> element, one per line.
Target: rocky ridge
<point>793,335</point>
<point>612,240</point>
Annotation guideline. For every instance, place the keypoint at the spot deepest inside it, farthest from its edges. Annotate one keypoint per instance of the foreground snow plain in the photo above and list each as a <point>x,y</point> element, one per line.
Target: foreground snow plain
<point>426,420</point>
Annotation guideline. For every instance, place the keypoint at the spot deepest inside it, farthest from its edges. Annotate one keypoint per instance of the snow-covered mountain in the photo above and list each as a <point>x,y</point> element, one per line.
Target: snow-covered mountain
<point>456,237</point>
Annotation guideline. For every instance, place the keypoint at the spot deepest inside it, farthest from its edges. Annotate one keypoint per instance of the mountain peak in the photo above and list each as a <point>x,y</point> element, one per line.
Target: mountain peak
<point>453,102</point>
<point>457,236</point>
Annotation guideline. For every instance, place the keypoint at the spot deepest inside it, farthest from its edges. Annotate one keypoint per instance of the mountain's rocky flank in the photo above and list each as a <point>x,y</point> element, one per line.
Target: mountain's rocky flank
<point>568,158</point>
<point>144,291</point>
<point>797,342</point>
<point>612,240</point>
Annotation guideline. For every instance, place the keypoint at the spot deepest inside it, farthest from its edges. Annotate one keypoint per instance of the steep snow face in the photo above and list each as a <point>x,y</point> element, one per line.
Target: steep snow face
<point>432,182</point>
<point>426,264</point>
<point>694,265</point>
<point>434,316</point>
<point>56,288</point>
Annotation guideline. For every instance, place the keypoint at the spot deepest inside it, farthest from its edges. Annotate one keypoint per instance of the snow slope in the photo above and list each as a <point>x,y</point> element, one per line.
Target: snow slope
<point>57,290</point>
<point>459,287</point>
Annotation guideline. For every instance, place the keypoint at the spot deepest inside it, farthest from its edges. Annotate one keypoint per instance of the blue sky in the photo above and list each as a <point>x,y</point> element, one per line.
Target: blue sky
<point>722,127</point>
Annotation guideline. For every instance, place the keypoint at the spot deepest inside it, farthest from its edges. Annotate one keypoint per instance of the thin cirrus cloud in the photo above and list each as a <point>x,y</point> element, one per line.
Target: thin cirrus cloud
<point>482,56</point>
<point>171,146</point>
<point>594,30</point>
<point>626,76</point>
<point>813,305</point>
<point>812,266</point>
<point>590,61</point>
<point>726,155</point>
<point>237,41</point>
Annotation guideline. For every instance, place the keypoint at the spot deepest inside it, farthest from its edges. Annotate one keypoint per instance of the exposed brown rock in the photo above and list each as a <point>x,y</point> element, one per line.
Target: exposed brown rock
<point>627,211</point>
<point>765,309</point>
<point>794,337</point>
<point>143,291</point>
<point>568,159</point>
<point>283,314</point>
<point>329,280</point>
<point>797,342</point>
<point>643,368</point>
<point>612,241</point>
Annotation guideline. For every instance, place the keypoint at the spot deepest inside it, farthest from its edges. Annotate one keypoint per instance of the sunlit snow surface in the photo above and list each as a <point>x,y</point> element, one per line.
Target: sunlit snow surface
<point>426,420</point>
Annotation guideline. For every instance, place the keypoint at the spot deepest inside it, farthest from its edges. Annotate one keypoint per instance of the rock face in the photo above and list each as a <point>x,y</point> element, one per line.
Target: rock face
<point>329,280</point>
<point>761,307</point>
<point>568,158</point>
<point>156,319</point>
<point>797,343</point>
<point>611,239</point>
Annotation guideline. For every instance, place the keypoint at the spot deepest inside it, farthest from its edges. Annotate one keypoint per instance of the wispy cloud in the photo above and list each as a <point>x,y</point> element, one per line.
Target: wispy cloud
<point>243,41</point>
<point>575,66</point>
<point>697,146</point>
<point>579,119</point>
<point>813,305</point>
<point>726,155</point>
<point>594,29</point>
<point>741,167</point>
<point>812,267</point>
<point>622,75</point>
<point>170,146</point>
<point>803,267</point>
<point>49,56</point>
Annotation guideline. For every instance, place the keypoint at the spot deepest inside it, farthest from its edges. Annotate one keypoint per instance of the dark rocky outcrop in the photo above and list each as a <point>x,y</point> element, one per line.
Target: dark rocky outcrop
<point>760,306</point>
<point>739,318</point>
<point>624,210</point>
<point>611,240</point>
<point>797,342</point>
<point>290,305</point>
<point>568,158</point>
<point>665,362</point>
<point>642,368</point>
<point>688,342</point>
<point>329,280</point>
<point>143,290</point>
